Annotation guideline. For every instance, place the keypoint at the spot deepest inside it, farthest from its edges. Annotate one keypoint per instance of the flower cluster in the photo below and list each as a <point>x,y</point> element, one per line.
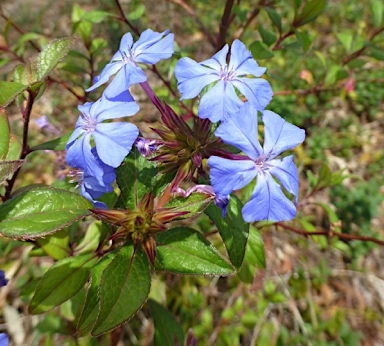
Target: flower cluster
<point>239,128</point>
<point>97,146</point>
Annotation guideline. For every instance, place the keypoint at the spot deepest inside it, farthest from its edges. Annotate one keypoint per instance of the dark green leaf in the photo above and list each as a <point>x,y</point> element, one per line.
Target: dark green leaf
<point>310,12</point>
<point>233,229</point>
<point>52,54</point>
<point>304,39</point>
<point>55,144</point>
<point>254,253</point>
<point>185,251</point>
<point>377,12</point>
<point>9,91</point>
<point>123,290</point>
<point>135,177</point>
<point>90,310</point>
<point>167,329</point>
<point>61,282</point>
<point>375,53</point>
<point>268,37</point>
<point>39,211</point>
<point>194,204</point>
<point>4,135</point>
<point>275,18</point>
<point>260,51</point>
<point>7,168</point>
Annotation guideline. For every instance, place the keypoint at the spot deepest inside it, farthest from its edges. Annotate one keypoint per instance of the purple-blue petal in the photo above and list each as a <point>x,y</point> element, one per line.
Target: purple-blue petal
<point>109,70</point>
<point>75,134</point>
<point>162,49</point>
<point>192,77</point>
<point>218,60</point>
<point>241,131</point>
<point>279,135</point>
<point>242,61</point>
<point>114,141</point>
<point>126,42</point>
<point>4,339</point>
<point>268,202</point>
<point>257,91</point>
<point>228,175</point>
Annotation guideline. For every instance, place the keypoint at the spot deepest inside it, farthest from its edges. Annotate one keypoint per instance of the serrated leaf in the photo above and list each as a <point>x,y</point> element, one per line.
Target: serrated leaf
<point>90,311</point>
<point>275,18</point>
<point>7,168</point>
<point>52,54</point>
<point>55,144</point>
<point>123,290</point>
<point>135,177</point>
<point>194,204</point>
<point>377,13</point>
<point>167,329</point>
<point>4,135</point>
<point>183,250</point>
<point>267,36</point>
<point>310,12</point>
<point>56,245</point>
<point>61,282</point>
<point>304,39</point>
<point>9,91</point>
<point>260,51</point>
<point>233,229</point>
<point>39,211</point>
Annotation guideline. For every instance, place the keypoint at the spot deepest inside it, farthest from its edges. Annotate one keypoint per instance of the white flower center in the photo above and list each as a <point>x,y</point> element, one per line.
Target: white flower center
<point>88,123</point>
<point>225,75</point>
<point>128,56</point>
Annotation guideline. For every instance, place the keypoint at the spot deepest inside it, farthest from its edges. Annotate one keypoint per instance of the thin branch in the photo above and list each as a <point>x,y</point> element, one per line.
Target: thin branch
<point>250,17</point>
<point>224,24</point>
<point>192,13</point>
<point>330,234</point>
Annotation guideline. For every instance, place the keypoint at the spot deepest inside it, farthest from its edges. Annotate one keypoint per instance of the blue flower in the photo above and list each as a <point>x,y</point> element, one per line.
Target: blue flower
<point>149,49</point>
<point>221,100</point>
<point>113,140</point>
<point>3,339</point>
<point>3,280</point>
<point>268,201</point>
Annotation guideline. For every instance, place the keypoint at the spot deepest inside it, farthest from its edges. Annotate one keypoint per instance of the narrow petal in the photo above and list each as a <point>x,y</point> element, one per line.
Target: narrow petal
<point>126,42</point>
<point>268,202</point>
<point>241,131</point>
<point>242,61</point>
<point>86,193</point>
<point>147,39</point>
<point>218,61</point>
<point>114,141</point>
<point>257,91</point>
<point>228,175</point>
<point>109,70</point>
<point>128,75</point>
<point>279,134</point>
<point>192,77</point>
<point>85,108</point>
<point>219,102</point>
<point>162,49</point>
<point>107,109</point>
<point>286,172</point>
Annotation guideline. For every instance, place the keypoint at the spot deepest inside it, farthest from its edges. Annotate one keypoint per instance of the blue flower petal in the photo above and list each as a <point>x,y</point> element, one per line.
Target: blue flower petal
<point>218,60</point>
<point>127,76</point>
<point>75,134</point>
<point>257,91</point>
<point>192,77</point>
<point>242,61</point>
<point>268,202</point>
<point>279,134</point>
<point>286,172</point>
<point>219,102</point>
<point>241,131</point>
<point>109,70</point>
<point>147,39</point>
<point>228,175</point>
<point>163,49</point>
<point>126,43</point>
<point>4,339</point>
<point>114,141</point>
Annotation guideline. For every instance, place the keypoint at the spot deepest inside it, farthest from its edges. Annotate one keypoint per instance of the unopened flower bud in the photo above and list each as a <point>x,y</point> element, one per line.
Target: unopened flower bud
<point>149,247</point>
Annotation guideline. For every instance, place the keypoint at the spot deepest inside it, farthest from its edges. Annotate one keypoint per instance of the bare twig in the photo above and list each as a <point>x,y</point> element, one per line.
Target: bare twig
<point>224,24</point>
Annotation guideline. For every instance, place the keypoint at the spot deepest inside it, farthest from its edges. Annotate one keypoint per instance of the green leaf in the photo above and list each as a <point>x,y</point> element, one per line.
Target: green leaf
<point>254,253</point>
<point>268,37</point>
<point>15,148</point>
<point>56,245</point>
<point>39,211</point>
<point>275,18</point>
<point>4,135</point>
<point>96,16</point>
<point>55,144</point>
<point>52,54</point>
<point>98,45</point>
<point>325,177</point>
<point>135,177</point>
<point>91,239</point>
<point>183,250</point>
<point>260,51</point>
<point>167,329</point>
<point>310,12</point>
<point>137,13</point>
<point>194,204</point>
<point>377,12</point>
<point>321,58</point>
<point>233,229</point>
<point>90,311</point>
<point>61,282</point>
<point>375,53</point>
<point>9,91</point>
<point>123,290</point>
<point>7,168</point>
<point>304,39</point>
